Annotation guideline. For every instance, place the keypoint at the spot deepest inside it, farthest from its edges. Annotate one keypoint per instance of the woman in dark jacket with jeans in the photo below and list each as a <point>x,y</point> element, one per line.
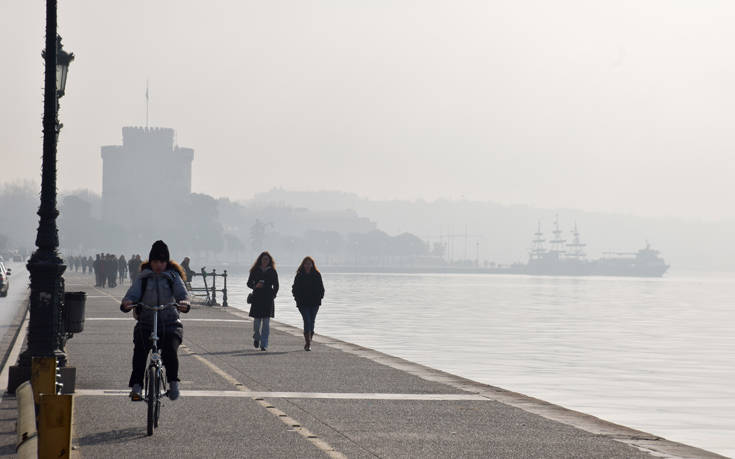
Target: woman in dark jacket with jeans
<point>308,290</point>
<point>263,280</point>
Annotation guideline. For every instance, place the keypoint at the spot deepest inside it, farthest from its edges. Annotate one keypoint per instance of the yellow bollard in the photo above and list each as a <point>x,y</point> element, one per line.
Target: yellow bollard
<point>54,425</point>
<point>27,442</point>
<point>43,376</point>
<point>54,411</point>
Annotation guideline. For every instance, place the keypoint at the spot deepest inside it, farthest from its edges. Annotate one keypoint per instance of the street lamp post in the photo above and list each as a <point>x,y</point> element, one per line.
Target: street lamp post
<point>45,329</point>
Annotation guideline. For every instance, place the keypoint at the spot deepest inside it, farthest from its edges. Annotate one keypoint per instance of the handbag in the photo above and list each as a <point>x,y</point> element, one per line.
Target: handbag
<point>249,299</point>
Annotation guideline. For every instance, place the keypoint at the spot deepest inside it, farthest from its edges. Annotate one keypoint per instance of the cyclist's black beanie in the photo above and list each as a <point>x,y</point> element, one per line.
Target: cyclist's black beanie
<point>159,251</point>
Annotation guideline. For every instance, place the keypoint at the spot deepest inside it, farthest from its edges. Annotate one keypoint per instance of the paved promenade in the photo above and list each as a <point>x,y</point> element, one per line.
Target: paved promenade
<point>340,400</point>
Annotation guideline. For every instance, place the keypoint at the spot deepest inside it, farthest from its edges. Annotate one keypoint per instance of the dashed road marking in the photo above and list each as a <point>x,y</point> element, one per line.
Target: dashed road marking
<point>290,422</point>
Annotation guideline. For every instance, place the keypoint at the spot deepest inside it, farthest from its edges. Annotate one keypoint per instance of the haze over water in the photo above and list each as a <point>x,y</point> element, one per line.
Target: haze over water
<point>645,353</point>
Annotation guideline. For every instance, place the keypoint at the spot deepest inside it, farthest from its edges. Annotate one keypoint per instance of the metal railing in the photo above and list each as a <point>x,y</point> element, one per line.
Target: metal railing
<point>210,292</point>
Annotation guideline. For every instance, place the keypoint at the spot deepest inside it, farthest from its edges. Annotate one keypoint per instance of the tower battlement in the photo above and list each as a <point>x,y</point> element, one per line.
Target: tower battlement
<point>148,138</point>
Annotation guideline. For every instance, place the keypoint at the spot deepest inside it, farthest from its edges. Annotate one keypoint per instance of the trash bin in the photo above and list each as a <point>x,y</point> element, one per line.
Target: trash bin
<point>73,313</point>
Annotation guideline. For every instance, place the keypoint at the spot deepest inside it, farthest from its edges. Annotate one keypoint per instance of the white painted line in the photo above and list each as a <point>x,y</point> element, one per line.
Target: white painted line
<point>183,319</point>
<point>240,321</point>
<point>109,318</point>
<point>314,395</point>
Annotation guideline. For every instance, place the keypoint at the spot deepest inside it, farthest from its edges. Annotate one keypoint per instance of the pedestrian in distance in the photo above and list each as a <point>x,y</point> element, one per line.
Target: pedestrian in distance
<point>308,291</point>
<point>263,280</point>
<point>122,268</point>
<point>99,270</point>
<point>187,269</point>
<point>105,272</point>
<point>134,267</point>
<point>96,268</point>
<point>158,283</point>
<point>111,270</point>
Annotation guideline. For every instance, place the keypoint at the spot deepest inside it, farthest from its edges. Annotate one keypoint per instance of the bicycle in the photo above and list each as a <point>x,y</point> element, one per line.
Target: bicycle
<point>154,380</point>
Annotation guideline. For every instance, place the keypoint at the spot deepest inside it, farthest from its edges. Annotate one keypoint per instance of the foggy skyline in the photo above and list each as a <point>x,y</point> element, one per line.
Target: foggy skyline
<point>623,107</point>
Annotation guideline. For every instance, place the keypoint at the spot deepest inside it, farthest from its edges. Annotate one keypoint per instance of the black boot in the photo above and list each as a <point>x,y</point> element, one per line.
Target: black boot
<point>307,339</point>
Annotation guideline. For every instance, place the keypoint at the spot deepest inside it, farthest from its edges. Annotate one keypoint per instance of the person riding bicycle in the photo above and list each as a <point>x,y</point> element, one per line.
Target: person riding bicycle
<point>158,283</point>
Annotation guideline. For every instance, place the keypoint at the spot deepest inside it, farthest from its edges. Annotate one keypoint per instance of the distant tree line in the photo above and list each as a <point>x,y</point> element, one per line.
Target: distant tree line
<point>206,228</point>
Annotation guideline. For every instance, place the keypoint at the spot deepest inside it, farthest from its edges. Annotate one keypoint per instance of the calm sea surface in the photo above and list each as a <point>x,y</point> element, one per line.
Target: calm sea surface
<point>652,354</point>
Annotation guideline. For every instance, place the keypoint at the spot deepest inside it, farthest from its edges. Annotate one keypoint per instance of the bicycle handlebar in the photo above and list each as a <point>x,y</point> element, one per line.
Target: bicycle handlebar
<point>160,307</point>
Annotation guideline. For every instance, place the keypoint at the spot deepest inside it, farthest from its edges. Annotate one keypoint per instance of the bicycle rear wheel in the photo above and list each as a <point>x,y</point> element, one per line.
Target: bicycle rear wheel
<point>153,399</point>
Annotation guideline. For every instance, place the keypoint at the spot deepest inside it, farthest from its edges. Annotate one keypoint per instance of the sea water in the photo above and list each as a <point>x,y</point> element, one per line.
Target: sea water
<point>652,354</point>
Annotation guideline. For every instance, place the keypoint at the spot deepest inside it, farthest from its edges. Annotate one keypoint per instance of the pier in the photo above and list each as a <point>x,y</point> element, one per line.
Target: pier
<point>340,400</point>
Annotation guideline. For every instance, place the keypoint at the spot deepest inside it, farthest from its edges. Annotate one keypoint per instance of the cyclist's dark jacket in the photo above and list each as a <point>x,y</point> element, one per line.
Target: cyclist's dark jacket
<point>163,288</point>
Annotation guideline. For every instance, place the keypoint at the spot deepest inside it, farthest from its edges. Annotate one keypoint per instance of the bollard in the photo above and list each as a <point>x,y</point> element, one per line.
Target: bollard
<point>26,445</point>
<point>43,377</point>
<point>54,425</point>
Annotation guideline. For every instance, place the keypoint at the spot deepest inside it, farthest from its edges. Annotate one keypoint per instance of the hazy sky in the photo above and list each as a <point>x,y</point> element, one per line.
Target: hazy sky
<point>614,106</point>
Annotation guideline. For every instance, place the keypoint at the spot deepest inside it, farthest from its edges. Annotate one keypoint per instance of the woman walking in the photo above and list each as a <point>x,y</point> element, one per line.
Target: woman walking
<point>308,290</point>
<point>263,280</point>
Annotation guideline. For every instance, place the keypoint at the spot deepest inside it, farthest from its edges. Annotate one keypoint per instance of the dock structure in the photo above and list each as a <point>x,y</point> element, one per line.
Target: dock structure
<point>340,400</point>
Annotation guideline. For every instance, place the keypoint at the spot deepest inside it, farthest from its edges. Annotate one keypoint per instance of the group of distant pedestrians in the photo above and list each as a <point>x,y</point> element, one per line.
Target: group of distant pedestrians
<point>109,269</point>
<point>80,263</point>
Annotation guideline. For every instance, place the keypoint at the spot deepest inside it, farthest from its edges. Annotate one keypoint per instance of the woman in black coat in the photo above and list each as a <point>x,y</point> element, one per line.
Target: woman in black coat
<point>308,290</point>
<point>263,280</point>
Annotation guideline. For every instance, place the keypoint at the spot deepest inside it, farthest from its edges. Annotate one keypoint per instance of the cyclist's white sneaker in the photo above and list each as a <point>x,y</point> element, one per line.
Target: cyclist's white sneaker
<point>135,393</point>
<point>173,391</point>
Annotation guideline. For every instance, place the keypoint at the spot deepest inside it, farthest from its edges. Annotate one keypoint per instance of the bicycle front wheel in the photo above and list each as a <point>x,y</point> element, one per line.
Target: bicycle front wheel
<point>153,398</point>
<point>157,408</point>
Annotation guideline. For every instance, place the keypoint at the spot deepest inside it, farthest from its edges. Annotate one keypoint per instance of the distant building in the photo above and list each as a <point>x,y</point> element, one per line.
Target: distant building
<point>147,179</point>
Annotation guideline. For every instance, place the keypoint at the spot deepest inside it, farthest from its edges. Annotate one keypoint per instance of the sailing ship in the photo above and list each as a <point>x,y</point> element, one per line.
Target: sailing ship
<point>569,259</point>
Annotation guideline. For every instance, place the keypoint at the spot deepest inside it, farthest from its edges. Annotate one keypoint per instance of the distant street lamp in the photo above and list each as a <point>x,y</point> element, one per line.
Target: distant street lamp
<point>45,328</point>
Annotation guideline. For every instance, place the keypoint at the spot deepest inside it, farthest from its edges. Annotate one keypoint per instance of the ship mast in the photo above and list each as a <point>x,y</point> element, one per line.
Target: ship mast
<point>537,249</point>
<point>576,248</point>
<point>557,244</point>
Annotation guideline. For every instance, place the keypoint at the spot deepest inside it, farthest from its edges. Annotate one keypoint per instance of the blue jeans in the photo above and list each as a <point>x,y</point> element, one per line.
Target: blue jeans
<point>261,330</point>
<point>309,316</point>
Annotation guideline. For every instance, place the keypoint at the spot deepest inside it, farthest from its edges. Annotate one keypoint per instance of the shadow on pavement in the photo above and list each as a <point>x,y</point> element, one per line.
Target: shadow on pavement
<point>113,436</point>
